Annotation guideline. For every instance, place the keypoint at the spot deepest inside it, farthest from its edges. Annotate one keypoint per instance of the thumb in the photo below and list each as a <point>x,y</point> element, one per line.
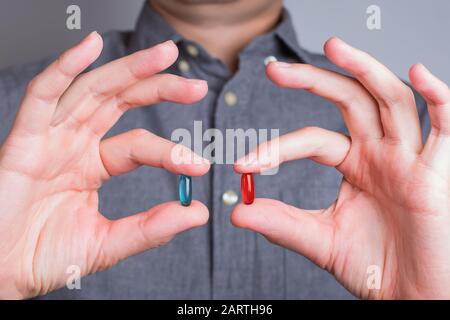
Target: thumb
<point>309,233</point>
<point>132,235</point>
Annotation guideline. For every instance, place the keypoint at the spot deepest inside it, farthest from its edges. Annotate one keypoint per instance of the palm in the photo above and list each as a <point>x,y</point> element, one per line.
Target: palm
<point>377,197</point>
<point>58,204</point>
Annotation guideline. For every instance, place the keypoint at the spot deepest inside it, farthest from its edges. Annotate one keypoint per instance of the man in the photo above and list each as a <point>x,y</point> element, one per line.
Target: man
<point>390,218</point>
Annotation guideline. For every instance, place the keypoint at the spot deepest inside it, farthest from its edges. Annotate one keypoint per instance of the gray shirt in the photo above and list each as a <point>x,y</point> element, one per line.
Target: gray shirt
<point>217,260</point>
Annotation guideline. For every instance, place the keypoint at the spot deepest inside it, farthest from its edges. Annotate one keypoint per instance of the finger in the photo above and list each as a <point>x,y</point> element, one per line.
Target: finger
<point>125,152</point>
<point>437,95</point>
<point>161,87</point>
<point>84,96</point>
<point>323,146</point>
<point>396,100</point>
<point>305,232</point>
<point>132,235</point>
<point>45,89</point>
<point>358,108</point>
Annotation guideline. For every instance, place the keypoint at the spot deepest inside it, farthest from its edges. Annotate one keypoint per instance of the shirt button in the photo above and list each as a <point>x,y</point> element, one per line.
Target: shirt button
<point>229,198</point>
<point>269,59</point>
<point>184,66</point>
<point>230,98</point>
<point>192,50</point>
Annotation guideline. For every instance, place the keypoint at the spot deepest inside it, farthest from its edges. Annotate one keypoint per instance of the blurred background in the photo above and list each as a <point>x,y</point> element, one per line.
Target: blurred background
<point>411,30</point>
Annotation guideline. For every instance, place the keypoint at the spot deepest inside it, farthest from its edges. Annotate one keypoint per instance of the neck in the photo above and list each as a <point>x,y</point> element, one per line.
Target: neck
<point>223,30</point>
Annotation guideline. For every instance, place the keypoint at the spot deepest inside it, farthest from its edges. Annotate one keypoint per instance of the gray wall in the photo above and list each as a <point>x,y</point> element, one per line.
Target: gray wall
<point>412,30</point>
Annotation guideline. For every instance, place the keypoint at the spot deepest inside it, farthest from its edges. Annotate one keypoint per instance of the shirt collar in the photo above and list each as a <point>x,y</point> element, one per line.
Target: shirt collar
<point>285,31</point>
<point>152,29</point>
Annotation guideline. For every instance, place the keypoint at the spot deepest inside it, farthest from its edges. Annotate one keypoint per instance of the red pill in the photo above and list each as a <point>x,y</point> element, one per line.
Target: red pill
<point>247,188</point>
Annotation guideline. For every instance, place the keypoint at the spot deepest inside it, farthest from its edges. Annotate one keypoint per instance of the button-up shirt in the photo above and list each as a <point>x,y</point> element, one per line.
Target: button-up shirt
<point>216,260</point>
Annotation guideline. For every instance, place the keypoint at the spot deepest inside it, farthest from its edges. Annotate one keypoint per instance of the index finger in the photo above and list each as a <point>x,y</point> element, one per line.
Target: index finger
<point>323,146</point>
<point>127,151</point>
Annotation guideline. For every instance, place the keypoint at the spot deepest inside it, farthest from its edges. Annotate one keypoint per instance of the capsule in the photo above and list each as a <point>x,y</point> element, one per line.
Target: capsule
<point>247,188</point>
<point>185,190</point>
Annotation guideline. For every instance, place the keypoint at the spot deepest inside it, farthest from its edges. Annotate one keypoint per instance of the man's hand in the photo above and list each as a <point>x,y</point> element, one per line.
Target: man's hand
<point>54,161</point>
<point>393,207</point>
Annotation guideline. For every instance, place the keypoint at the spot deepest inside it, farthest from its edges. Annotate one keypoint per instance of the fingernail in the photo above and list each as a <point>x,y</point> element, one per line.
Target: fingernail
<point>342,42</point>
<point>335,39</point>
<point>191,158</point>
<point>421,65</point>
<point>197,82</point>
<point>248,160</point>
<point>200,160</point>
<point>91,35</point>
<point>269,59</point>
<point>169,42</point>
<point>279,64</point>
<point>88,41</point>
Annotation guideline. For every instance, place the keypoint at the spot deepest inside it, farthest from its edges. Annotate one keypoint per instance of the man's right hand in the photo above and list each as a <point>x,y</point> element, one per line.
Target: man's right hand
<point>54,161</point>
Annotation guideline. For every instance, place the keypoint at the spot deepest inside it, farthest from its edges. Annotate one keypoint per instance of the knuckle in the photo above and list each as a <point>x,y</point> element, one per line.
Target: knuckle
<point>90,86</point>
<point>139,132</point>
<point>162,242</point>
<point>138,68</point>
<point>401,95</point>
<point>37,89</point>
<point>121,103</point>
<point>406,95</point>
<point>33,85</point>
<point>153,59</point>
<point>354,95</point>
<point>60,65</point>
<point>142,229</point>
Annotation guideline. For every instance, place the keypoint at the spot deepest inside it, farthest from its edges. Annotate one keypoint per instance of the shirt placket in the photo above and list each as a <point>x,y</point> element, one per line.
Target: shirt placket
<point>233,248</point>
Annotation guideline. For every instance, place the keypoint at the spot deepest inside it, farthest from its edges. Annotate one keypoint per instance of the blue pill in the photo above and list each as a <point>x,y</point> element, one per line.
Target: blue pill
<point>185,190</point>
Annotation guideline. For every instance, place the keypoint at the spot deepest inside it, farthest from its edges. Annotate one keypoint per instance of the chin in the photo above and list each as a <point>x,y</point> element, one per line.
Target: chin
<point>206,1</point>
